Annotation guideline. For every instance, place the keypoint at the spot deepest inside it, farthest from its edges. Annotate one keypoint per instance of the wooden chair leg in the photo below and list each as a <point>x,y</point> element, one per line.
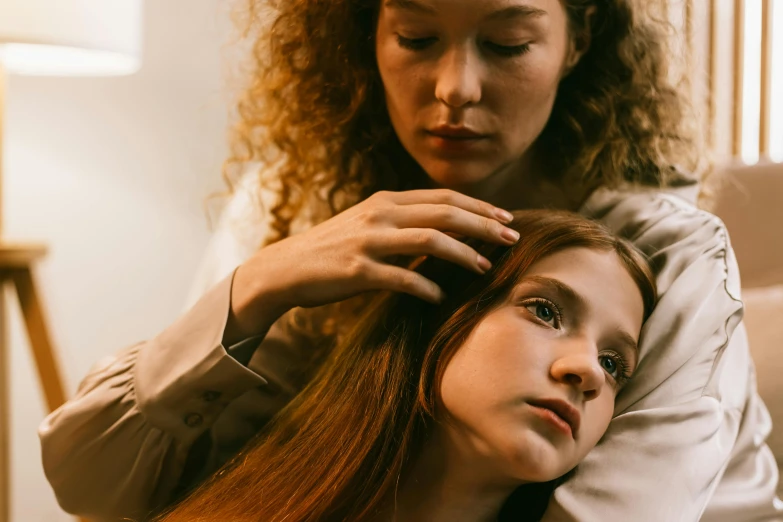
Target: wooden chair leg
<point>5,412</point>
<point>48,370</point>
<point>40,341</point>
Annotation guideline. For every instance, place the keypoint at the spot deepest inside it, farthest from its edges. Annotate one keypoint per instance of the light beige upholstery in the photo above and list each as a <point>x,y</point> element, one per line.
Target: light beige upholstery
<point>751,205</point>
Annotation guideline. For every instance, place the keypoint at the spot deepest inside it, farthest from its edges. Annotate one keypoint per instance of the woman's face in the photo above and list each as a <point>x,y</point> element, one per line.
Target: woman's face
<point>532,389</point>
<point>470,85</point>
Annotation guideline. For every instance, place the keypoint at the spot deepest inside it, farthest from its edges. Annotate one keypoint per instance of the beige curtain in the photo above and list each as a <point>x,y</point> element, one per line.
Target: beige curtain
<point>712,38</point>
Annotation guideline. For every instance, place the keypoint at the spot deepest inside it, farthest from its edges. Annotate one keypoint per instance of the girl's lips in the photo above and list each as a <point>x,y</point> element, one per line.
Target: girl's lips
<point>553,419</point>
<point>561,413</point>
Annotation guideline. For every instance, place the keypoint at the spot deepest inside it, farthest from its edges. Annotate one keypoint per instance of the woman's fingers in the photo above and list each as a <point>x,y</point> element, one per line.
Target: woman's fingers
<point>449,197</point>
<point>448,218</point>
<point>428,242</point>
<point>349,253</point>
<point>397,279</point>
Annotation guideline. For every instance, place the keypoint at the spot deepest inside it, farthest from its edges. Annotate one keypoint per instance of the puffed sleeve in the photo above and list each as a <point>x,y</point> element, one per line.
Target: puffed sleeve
<point>690,419</point>
<point>117,449</point>
<point>142,420</point>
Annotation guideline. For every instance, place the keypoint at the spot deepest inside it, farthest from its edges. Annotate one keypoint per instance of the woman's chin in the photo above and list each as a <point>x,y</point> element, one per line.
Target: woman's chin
<point>457,175</point>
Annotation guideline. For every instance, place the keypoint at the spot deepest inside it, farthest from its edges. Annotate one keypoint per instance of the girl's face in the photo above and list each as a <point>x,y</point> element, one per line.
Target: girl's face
<point>532,389</point>
<point>470,85</point>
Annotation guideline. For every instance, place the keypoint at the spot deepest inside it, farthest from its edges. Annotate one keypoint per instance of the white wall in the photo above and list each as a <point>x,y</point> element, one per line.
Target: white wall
<point>111,175</point>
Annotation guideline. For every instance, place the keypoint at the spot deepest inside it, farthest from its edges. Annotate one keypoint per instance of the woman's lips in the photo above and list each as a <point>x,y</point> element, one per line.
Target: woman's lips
<point>455,139</point>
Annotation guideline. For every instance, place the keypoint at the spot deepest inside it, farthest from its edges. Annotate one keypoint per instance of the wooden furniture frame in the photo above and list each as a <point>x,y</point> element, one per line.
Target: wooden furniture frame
<point>16,270</point>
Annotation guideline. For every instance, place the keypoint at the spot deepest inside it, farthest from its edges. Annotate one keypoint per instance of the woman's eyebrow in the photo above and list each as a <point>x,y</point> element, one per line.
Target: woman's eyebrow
<point>516,11</point>
<point>507,13</point>
<point>411,5</point>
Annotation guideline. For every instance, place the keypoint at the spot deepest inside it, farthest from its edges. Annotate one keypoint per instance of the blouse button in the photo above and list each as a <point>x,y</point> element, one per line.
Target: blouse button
<point>193,419</point>
<point>211,395</point>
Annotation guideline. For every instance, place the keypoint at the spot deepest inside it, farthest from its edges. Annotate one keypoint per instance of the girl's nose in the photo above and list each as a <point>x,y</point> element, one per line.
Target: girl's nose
<point>581,370</point>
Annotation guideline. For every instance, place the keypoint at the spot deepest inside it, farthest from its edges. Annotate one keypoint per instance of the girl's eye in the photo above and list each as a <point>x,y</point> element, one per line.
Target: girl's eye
<point>609,365</point>
<point>415,44</point>
<point>546,312</point>
<point>508,50</point>
<point>614,365</point>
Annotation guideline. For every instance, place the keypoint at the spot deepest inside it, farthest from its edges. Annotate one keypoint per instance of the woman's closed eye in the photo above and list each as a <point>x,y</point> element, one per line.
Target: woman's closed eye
<point>421,44</point>
<point>545,311</point>
<point>507,50</point>
<point>415,44</point>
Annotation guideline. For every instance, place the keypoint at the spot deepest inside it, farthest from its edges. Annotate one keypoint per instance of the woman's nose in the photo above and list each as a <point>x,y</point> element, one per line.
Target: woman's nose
<point>581,370</point>
<point>459,78</point>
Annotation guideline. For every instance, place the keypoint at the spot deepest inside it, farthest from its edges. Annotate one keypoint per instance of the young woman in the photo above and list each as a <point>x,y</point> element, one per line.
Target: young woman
<point>439,413</point>
<point>387,127</point>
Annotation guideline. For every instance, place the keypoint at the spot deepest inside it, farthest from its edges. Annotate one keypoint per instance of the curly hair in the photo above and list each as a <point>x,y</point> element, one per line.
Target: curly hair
<point>315,107</point>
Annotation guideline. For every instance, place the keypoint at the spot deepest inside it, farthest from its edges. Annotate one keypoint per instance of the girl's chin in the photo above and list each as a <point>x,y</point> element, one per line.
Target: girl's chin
<point>536,474</point>
<point>535,459</point>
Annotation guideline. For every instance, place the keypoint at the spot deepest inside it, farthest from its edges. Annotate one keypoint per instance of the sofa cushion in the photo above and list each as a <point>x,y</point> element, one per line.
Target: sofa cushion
<point>764,322</point>
<point>749,203</point>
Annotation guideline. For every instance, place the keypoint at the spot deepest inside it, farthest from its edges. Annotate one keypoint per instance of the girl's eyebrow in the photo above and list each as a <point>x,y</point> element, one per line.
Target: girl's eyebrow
<point>563,291</point>
<point>628,341</point>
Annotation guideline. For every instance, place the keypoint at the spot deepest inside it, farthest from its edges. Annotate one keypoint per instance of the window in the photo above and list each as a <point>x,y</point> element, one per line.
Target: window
<point>735,66</point>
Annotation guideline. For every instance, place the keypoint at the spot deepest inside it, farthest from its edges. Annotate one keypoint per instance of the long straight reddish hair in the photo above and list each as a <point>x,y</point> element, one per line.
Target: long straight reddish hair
<point>337,451</point>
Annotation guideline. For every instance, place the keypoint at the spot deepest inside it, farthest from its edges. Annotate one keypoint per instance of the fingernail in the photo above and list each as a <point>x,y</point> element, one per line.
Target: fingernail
<point>484,263</point>
<point>504,216</point>
<point>440,297</point>
<point>510,235</point>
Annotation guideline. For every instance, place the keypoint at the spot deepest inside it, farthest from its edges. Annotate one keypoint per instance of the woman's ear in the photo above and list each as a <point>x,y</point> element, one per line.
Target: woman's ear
<point>579,43</point>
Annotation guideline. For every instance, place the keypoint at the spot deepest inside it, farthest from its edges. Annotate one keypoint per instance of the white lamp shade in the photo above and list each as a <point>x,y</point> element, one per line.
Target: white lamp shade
<point>71,37</point>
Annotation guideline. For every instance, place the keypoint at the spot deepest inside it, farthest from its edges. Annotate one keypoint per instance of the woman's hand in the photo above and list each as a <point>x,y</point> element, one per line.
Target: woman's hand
<point>348,254</point>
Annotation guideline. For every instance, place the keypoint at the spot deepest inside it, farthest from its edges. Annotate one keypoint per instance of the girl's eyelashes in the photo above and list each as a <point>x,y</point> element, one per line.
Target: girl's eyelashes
<point>615,367</point>
<point>545,311</point>
<point>421,44</point>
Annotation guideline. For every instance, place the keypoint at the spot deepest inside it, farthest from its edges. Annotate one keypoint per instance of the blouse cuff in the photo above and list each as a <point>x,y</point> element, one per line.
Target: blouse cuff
<point>185,377</point>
